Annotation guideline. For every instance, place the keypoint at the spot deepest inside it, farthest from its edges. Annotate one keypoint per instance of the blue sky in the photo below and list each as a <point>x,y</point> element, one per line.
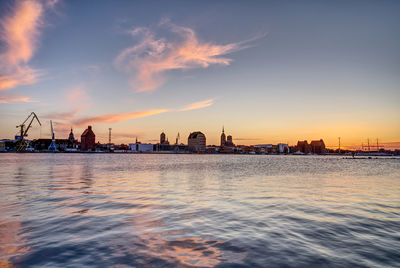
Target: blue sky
<point>270,71</point>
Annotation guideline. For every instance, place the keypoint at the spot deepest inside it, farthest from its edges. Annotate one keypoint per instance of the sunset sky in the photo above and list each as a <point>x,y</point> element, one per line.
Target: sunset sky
<point>269,71</point>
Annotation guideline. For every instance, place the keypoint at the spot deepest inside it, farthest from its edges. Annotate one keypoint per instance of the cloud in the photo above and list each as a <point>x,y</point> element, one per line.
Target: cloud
<point>20,32</point>
<point>152,57</point>
<point>247,139</point>
<point>63,120</point>
<point>115,118</point>
<point>14,99</point>
<point>198,105</point>
<point>67,116</point>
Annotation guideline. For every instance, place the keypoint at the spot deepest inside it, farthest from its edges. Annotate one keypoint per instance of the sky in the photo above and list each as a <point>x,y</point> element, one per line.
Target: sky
<point>268,71</point>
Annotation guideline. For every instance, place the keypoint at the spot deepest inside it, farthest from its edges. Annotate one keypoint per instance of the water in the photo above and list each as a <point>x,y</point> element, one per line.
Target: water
<point>102,210</point>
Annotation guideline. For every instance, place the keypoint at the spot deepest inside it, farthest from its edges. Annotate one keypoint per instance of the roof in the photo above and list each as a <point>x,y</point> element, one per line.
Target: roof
<point>302,142</point>
<point>88,132</point>
<point>317,143</point>
<point>194,135</point>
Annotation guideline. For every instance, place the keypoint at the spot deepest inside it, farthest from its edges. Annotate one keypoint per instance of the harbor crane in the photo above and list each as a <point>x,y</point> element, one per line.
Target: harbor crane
<point>23,132</point>
<point>52,146</point>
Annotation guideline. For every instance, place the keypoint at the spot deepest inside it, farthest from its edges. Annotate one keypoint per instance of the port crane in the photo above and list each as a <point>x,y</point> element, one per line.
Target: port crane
<point>52,146</point>
<point>23,132</point>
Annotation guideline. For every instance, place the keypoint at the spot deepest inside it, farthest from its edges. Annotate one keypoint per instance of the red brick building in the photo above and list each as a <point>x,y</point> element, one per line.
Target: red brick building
<point>303,147</point>
<point>88,139</point>
<point>318,147</point>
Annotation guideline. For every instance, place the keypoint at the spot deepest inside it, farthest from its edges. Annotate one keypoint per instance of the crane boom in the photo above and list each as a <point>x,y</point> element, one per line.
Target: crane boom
<point>24,131</point>
<point>52,132</point>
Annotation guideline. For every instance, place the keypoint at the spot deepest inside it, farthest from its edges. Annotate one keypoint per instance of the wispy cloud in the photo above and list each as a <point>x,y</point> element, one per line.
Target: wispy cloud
<point>115,118</point>
<point>248,139</point>
<point>63,120</point>
<point>14,99</point>
<point>20,32</point>
<point>198,105</point>
<point>148,60</point>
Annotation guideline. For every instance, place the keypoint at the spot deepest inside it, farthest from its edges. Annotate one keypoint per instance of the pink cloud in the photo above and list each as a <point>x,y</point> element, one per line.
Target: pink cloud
<point>20,32</point>
<point>198,105</point>
<point>152,56</point>
<point>115,118</point>
<point>14,99</point>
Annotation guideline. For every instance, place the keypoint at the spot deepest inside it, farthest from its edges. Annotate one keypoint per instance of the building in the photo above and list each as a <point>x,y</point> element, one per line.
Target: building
<point>3,146</point>
<point>304,147</point>
<point>71,137</point>
<point>283,148</point>
<point>226,141</point>
<point>318,147</point>
<point>229,141</point>
<point>162,138</point>
<point>43,144</point>
<point>265,148</point>
<point>88,140</point>
<point>223,138</point>
<point>141,147</point>
<point>72,140</point>
<point>197,142</point>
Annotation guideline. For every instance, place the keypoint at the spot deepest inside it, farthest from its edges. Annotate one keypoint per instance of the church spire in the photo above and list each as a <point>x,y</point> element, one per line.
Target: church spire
<point>223,137</point>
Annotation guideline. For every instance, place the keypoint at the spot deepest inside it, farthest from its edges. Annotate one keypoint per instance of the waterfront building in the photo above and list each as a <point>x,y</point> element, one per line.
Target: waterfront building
<point>162,138</point>
<point>227,145</point>
<point>43,144</point>
<point>229,141</point>
<point>283,148</point>
<point>223,137</point>
<point>88,139</point>
<point>71,137</point>
<point>3,146</point>
<point>197,142</point>
<point>304,147</point>
<point>265,148</point>
<point>141,147</point>
<point>318,147</point>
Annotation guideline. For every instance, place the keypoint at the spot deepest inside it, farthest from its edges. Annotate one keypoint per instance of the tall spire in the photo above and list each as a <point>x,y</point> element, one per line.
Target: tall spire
<point>223,137</point>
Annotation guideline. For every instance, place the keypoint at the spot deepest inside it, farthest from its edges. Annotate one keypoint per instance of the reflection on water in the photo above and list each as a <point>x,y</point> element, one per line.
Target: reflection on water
<point>60,210</point>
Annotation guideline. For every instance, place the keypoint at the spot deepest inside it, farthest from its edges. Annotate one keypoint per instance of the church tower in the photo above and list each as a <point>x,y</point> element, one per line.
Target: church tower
<point>162,138</point>
<point>223,137</point>
<point>71,137</point>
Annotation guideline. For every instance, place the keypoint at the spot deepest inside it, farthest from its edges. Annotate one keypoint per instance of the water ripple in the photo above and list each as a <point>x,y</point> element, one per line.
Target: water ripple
<point>198,211</point>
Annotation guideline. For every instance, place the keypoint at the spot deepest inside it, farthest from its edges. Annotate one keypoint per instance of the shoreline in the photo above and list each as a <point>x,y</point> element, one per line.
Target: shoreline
<point>372,156</point>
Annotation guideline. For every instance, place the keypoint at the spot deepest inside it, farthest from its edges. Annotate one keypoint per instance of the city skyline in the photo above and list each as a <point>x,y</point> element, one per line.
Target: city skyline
<point>289,72</point>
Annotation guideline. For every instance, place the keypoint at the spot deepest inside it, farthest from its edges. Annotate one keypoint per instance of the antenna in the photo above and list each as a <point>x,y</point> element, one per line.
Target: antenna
<point>369,148</point>
<point>109,136</point>
<point>377,145</point>
<point>339,145</point>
